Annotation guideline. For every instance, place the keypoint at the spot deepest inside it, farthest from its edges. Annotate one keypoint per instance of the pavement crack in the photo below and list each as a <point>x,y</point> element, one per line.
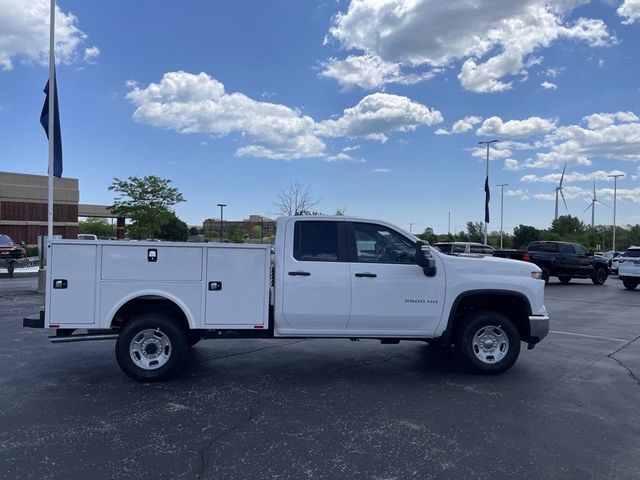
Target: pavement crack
<point>621,363</point>
<point>249,352</point>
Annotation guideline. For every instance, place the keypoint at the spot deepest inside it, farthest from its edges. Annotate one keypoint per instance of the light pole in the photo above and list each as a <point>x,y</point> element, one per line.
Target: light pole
<point>486,191</point>
<point>615,192</point>
<point>501,185</point>
<point>221,205</point>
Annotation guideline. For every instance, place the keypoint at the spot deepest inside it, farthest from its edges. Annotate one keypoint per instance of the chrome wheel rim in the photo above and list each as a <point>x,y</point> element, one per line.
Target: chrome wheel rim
<point>490,344</point>
<point>150,349</point>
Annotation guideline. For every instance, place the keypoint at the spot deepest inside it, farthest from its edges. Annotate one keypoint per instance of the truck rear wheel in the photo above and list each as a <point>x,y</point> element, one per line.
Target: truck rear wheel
<point>151,347</point>
<point>488,342</point>
<point>564,279</point>
<point>599,276</point>
<point>545,275</point>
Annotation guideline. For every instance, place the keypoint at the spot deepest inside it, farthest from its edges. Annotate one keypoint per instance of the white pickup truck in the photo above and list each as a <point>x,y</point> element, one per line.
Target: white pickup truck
<point>329,277</point>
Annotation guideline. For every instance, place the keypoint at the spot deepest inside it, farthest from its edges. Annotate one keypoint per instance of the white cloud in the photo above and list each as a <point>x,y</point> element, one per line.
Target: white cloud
<point>461,126</point>
<point>368,72</point>
<point>494,126</point>
<point>571,177</point>
<point>512,165</point>
<point>343,157</point>
<point>596,121</point>
<point>189,103</point>
<point>91,53</point>
<point>376,115</point>
<point>637,174</point>
<point>24,33</point>
<point>570,193</point>
<point>495,152</point>
<point>495,39</point>
<point>631,194</point>
<point>521,194</point>
<point>630,10</point>
<point>381,170</point>
<point>548,86</point>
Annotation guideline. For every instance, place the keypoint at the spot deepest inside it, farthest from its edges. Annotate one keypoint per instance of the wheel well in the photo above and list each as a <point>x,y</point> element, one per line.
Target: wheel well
<point>148,304</point>
<point>515,307</point>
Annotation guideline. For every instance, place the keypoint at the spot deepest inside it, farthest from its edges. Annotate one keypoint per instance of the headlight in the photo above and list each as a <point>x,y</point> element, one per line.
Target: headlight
<point>536,275</point>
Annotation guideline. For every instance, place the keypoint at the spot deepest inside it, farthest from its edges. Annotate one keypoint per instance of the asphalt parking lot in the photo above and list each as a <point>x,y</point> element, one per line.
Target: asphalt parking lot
<point>315,409</point>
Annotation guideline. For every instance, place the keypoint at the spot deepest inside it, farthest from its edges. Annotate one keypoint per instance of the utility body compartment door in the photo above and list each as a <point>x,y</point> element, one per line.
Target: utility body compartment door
<point>237,287</point>
<point>71,285</point>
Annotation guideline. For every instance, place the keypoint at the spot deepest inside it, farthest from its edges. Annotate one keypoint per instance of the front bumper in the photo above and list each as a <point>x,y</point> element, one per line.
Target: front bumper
<point>538,328</point>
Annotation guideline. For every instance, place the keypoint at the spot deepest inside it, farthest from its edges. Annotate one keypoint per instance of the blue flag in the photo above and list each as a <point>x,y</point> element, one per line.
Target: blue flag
<point>487,196</point>
<point>57,136</point>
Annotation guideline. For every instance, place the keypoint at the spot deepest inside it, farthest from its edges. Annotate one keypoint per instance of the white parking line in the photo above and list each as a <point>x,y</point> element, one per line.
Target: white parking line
<point>588,336</point>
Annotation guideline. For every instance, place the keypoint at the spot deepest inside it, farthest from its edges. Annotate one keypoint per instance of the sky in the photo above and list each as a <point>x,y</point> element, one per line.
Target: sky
<point>376,105</point>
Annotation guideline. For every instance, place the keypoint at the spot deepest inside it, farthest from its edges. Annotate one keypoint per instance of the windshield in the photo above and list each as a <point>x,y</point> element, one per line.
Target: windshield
<point>5,241</point>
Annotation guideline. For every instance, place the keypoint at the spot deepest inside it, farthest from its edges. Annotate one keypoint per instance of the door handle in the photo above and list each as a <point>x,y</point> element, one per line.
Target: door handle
<point>366,274</point>
<point>299,273</point>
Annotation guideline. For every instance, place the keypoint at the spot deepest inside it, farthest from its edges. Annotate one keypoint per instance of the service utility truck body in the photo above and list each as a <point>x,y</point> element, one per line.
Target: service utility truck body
<point>328,277</point>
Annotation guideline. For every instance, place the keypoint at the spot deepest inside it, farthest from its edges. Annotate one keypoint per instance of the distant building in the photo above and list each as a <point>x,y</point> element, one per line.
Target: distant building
<point>23,206</point>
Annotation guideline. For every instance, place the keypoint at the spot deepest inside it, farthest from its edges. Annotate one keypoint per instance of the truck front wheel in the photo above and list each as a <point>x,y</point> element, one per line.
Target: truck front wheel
<point>599,276</point>
<point>151,347</point>
<point>488,342</point>
<point>629,285</point>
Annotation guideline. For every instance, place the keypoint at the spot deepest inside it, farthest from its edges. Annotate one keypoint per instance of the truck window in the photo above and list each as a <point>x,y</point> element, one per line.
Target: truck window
<point>316,241</point>
<point>567,249</point>
<point>580,250</point>
<point>378,244</point>
<point>543,247</point>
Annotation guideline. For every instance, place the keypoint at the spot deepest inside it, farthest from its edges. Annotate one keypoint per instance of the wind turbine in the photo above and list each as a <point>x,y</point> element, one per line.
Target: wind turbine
<point>592,205</point>
<point>559,189</point>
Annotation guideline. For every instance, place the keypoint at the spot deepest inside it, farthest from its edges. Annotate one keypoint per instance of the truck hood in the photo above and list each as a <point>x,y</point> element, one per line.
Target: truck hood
<point>489,265</point>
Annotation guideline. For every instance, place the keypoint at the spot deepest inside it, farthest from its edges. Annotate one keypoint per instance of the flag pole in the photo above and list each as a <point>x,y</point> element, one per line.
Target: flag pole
<point>52,94</point>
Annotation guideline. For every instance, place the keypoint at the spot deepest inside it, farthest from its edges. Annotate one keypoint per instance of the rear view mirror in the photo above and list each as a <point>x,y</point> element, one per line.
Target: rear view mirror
<point>425,259</point>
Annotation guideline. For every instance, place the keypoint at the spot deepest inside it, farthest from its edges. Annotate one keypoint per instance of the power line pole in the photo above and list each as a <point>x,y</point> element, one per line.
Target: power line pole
<point>615,192</point>
<point>221,205</point>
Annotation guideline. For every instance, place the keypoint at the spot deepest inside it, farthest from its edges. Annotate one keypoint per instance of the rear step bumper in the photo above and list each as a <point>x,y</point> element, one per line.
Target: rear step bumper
<point>34,321</point>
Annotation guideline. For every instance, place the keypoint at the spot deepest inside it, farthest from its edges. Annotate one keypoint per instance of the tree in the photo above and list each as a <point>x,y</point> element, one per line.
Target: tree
<point>146,201</point>
<point>97,226</point>
<point>525,234</point>
<point>566,226</point>
<point>174,229</point>
<point>234,233</point>
<point>475,232</point>
<point>428,236</point>
<point>296,199</point>
<point>194,231</point>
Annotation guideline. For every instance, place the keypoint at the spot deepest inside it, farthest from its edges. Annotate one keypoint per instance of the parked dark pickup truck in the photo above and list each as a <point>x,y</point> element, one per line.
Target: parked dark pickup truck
<point>563,260</point>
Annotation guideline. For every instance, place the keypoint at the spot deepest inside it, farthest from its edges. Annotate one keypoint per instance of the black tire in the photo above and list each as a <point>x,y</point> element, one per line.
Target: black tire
<point>193,337</point>
<point>545,276</point>
<point>564,279</point>
<point>151,347</point>
<point>10,268</point>
<point>629,285</point>
<point>599,276</point>
<point>492,327</point>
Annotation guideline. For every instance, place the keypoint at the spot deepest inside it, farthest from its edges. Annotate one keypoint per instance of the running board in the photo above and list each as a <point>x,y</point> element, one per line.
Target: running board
<point>83,337</point>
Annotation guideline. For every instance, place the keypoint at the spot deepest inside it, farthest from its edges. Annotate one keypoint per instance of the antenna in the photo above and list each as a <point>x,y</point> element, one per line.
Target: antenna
<point>559,190</point>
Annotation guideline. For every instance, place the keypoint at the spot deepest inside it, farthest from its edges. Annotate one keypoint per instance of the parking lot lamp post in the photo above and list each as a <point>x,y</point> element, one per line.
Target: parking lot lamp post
<point>221,205</point>
<point>615,191</point>
<point>486,188</point>
<point>502,185</point>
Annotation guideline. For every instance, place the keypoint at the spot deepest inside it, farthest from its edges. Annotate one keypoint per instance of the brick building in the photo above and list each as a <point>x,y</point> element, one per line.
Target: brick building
<point>23,206</point>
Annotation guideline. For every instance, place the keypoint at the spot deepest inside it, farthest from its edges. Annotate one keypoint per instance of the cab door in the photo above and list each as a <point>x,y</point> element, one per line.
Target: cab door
<point>316,294</point>
<point>389,292</point>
